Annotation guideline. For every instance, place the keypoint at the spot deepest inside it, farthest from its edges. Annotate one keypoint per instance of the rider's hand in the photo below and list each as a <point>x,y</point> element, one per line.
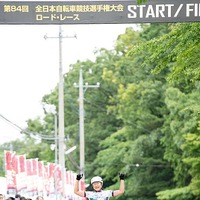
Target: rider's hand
<point>79,176</point>
<point>121,176</point>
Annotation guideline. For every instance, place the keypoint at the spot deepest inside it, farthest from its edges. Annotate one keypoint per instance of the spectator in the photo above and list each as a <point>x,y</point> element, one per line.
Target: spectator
<point>11,198</point>
<point>17,197</point>
<point>39,198</point>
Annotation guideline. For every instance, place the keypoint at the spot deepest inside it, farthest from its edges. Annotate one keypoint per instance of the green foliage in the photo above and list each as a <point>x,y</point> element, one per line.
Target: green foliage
<point>141,1</point>
<point>125,42</point>
<point>192,147</point>
<point>176,194</point>
<point>180,120</point>
<point>139,103</point>
<point>2,165</point>
<point>151,31</point>
<point>178,50</point>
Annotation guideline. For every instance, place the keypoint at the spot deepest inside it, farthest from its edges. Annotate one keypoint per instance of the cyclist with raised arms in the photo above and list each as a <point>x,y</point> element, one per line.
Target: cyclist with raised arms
<point>98,193</point>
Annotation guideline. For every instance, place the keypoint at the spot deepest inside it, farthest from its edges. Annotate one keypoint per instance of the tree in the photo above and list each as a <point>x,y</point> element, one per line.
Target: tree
<point>139,104</point>
<point>177,54</point>
<point>176,51</point>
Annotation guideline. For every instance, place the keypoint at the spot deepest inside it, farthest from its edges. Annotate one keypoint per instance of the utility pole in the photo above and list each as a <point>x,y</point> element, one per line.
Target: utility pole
<point>61,127</point>
<point>56,151</point>
<point>81,86</point>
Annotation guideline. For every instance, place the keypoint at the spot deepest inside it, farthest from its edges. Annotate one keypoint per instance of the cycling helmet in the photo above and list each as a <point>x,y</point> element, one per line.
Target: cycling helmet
<point>96,179</point>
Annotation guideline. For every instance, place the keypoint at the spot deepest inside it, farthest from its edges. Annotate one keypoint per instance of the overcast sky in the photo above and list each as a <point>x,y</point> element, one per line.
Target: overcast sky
<point>29,65</point>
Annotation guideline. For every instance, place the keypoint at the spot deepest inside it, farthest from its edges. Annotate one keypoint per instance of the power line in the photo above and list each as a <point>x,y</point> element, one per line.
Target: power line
<point>11,123</point>
<point>27,132</point>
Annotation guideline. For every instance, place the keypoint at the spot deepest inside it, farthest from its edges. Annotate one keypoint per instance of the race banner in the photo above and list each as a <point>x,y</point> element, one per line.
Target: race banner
<point>98,12</point>
<point>10,168</point>
<point>40,183</point>
<point>46,179</point>
<point>35,174</point>
<point>58,179</point>
<point>30,179</point>
<point>70,182</point>
<point>34,178</point>
<point>21,174</point>
<point>51,178</point>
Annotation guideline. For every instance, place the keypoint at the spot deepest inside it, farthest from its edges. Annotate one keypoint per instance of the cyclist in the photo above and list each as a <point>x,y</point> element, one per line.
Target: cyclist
<point>98,193</point>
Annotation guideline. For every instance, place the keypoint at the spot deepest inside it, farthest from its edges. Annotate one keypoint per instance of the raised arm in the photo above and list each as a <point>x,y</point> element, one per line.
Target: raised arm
<point>76,186</point>
<point>121,187</point>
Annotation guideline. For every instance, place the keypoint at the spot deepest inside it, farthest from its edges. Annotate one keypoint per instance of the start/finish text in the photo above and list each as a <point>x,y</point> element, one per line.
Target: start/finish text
<point>163,10</point>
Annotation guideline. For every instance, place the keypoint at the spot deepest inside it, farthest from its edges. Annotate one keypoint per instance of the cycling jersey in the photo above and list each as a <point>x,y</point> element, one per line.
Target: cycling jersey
<point>101,195</point>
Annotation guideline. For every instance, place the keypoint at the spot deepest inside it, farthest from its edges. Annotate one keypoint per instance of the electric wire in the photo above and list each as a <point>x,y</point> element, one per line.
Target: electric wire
<point>30,133</point>
<point>40,136</point>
